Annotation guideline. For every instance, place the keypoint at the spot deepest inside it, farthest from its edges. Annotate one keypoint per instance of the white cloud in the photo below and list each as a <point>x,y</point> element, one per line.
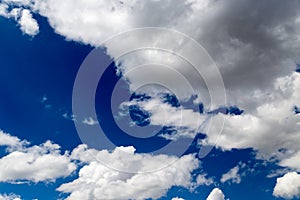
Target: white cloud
<point>255,45</point>
<point>100,179</point>
<point>216,194</point>
<point>90,121</point>
<point>33,163</point>
<point>203,180</point>
<point>10,197</point>
<point>252,51</point>
<point>233,175</point>
<point>292,161</point>
<point>177,198</point>
<point>11,141</point>
<point>270,128</point>
<point>3,10</point>
<point>27,24</point>
<point>288,186</point>
<point>185,121</point>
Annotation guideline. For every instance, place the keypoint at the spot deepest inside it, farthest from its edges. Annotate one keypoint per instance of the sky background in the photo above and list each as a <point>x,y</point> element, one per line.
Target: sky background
<point>39,64</point>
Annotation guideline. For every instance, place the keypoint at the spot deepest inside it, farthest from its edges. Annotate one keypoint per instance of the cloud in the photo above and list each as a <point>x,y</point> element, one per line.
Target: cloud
<point>10,197</point>
<point>203,180</point>
<point>288,186</point>
<point>292,161</point>
<point>254,44</point>
<point>101,179</point>
<point>33,163</point>
<point>185,121</point>
<point>233,175</point>
<point>177,198</point>
<point>272,129</point>
<point>27,24</point>
<point>216,194</point>
<point>243,37</point>
<point>90,121</point>
<point>11,141</point>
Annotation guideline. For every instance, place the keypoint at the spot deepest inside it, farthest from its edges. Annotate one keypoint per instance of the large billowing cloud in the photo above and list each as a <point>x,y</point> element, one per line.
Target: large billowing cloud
<point>272,128</point>
<point>252,42</point>
<point>119,174</point>
<point>288,186</point>
<point>33,163</point>
<point>117,180</point>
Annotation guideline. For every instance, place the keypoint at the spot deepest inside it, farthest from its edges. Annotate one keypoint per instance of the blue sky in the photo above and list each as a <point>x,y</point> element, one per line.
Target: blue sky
<point>256,156</point>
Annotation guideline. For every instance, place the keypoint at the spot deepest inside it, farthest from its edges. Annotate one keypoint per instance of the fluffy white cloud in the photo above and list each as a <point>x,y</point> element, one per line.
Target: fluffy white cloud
<point>101,179</point>
<point>288,186</point>
<point>11,141</point>
<point>90,121</point>
<point>232,175</point>
<point>216,194</point>
<point>292,162</point>
<point>249,41</point>
<point>203,180</point>
<point>177,198</point>
<point>255,44</point>
<point>10,197</point>
<point>27,24</point>
<point>35,163</point>
<point>252,43</point>
<point>272,129</point>
<point>185,121</point>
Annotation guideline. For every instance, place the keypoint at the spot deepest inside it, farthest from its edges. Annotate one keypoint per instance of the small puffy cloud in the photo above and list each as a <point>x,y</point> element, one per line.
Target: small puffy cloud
<point>232,175</point>
<point>216,194</point>
<point>28,24</point>
<point>98,181</point>
<point>185,121</point>
<point>90,121</point>
<point>177,198</point>
<point>10,141</point>
<point>203,180</point>
<point>288,186</point>
<point>32,163</point>
<point>10,197</point>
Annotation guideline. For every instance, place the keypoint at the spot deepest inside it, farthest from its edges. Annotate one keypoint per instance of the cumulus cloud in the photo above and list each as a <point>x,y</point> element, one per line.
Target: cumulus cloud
<point>90,121</point>
<point>10,197</point>
<point>185,121</point>
<point>203,180</point>
<point>216,194</point>
<point>245,38</point>
<point>177,198</point>
<point>288,186</point>
<point>33,163</point>
<point>11,141</point>
<point>124,174</point>
<point>232,175</point>
<point>272,128</point>
<point>27,24</point>
<point>253,43</point>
